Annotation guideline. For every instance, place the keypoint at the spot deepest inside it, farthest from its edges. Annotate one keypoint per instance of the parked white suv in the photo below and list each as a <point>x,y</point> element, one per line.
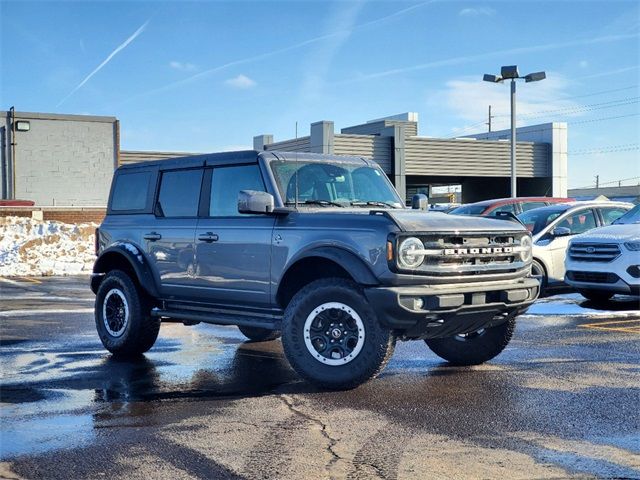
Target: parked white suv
<point>552,227</point>
<point>606,261</point>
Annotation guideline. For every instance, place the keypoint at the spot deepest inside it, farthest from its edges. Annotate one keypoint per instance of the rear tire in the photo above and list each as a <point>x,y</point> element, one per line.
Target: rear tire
<point>596,296</point>
<point>474,348</point>
<point>257,334</point>
<point>332,337</point>
<point>122,315</point>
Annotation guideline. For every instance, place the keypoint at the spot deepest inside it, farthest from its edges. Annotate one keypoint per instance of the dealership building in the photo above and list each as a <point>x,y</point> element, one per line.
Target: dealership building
<point>68,160</point>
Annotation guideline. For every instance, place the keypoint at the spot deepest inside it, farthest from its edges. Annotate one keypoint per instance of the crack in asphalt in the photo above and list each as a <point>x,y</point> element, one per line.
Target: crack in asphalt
<point>332,442</point>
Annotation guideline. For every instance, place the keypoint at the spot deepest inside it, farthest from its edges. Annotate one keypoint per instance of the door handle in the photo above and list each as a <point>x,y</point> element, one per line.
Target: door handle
<point>208,237</point>
<point>153,236</point>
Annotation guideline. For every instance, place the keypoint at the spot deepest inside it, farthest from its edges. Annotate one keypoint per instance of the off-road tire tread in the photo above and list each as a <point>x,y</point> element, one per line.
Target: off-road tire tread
<point>386,348</point>
<point>143,328</point>
<point>258,334</point>
<point>457,353</point>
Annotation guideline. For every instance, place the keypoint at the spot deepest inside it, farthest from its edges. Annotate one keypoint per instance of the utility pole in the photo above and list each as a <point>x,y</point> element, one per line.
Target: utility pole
<point>490,117</point>
<point>597,182</point>
<point>514,174</point>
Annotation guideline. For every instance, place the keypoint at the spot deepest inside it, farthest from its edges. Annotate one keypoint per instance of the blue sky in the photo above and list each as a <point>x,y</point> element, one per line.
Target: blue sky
<point>206,76</point>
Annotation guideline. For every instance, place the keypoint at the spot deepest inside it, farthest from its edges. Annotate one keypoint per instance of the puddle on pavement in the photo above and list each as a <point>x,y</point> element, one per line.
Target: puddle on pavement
<point>56,394</point>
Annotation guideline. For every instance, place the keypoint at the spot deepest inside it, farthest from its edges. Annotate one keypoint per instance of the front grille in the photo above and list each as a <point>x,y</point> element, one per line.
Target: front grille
<point>471,254</point>
<point>594,252</point>
<point>592,277</point>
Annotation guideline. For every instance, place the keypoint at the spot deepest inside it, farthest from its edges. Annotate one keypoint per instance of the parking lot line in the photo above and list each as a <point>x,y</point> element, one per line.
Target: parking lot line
<point>630,326</point>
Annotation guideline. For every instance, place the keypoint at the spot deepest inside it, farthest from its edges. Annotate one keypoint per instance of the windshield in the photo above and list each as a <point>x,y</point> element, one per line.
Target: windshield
<point>632,216</point>
<point>468,210</point>
<point>334,184</point>
<point>537,219</point>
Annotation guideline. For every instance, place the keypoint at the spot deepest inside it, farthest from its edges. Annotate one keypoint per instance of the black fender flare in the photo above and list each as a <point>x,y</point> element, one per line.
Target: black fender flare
<point>135,257</point>
<point>355,266</point>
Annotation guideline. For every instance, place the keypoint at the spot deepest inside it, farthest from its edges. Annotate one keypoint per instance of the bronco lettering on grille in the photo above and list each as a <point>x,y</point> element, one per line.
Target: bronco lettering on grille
<point>476,251</point>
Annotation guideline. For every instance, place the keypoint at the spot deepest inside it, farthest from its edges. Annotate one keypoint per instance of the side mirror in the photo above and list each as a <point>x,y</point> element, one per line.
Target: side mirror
<point>560,232</point>
<point>252,201</point>
<point>420,202</point>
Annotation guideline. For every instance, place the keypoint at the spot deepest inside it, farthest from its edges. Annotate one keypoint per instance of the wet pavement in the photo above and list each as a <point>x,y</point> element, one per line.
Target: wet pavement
<point>560,402</point>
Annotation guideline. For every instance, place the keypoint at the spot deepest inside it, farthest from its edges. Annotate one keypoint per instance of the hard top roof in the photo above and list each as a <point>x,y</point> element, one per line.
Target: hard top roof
<point>242,156</point>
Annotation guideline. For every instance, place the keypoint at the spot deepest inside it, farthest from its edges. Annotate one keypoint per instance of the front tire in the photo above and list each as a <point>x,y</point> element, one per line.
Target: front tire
<point>596,296</point>
<point>476,347</point>
<point>122,315</point>
<point>538,271</point>
<point>332,337</point>
<point>258,334</point>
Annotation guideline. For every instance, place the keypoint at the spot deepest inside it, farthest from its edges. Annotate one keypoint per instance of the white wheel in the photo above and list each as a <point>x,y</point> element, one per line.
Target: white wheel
<point>115,312</point>
<point>334,333</point>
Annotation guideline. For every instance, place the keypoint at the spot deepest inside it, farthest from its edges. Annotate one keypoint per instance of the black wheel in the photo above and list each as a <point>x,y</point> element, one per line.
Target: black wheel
<point>538,272</point>
<point>476,347</point>
<point>332,337</point>
<point>122,315</point>
<point>257,334</point>
<point>596,296</point>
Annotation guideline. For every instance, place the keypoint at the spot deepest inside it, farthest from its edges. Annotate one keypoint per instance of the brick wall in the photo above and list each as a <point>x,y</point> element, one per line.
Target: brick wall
<point>60,214</point>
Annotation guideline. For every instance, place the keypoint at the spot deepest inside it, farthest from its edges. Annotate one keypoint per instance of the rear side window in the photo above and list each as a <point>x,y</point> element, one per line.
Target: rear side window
<point>611,214</point>
<point>226,183</point>
<point>179,193</point>
<point>130,191</point>
<point>511,207</point>
<point>526,206</point>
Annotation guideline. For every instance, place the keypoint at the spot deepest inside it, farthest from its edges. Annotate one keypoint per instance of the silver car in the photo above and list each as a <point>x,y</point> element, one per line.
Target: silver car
<point>552,227</point>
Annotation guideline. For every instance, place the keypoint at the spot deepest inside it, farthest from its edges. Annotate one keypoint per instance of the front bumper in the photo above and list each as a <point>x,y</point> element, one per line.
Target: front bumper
<point>614,276</point>
<point>432,311</point>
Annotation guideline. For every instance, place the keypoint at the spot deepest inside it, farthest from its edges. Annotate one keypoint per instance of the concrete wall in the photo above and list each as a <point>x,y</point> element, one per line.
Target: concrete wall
<point>62,160</point>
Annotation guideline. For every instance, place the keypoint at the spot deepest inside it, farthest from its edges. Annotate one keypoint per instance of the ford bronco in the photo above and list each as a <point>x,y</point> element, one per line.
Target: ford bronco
<point>317,249</point>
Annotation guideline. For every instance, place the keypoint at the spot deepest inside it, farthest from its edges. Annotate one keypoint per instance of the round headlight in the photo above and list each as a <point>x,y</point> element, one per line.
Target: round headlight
<point>525,251</point>
<point>407,253</point>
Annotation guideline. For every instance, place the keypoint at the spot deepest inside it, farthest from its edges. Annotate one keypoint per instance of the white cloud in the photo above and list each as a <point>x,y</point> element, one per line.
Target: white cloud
<point>477,11</point>
<point>241,82</point>
<point>468,98</point>
<point>183,66</point>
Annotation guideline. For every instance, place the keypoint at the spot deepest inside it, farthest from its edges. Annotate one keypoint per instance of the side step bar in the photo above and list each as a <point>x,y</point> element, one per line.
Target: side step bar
<point>217,318</point>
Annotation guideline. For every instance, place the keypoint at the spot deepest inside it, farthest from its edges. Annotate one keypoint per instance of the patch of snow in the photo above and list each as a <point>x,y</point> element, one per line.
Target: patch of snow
<point>569,305</point>
<point>35,247</point>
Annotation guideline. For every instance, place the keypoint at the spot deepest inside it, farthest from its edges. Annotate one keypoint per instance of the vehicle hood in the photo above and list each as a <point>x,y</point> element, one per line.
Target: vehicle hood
<point>420,221</point>
<point>611,233</point>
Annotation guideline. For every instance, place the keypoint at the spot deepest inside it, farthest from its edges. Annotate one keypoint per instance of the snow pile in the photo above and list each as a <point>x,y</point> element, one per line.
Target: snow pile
<point>35,247</point>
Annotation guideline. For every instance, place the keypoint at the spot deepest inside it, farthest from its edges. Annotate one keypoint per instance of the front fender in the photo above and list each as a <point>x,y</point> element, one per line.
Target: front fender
<point>354,265</point>
<point>128,257</point>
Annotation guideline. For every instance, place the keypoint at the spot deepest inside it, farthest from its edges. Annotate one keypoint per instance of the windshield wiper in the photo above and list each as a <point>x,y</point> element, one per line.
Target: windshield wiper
<point>359,203</point>
<point>324,203</point>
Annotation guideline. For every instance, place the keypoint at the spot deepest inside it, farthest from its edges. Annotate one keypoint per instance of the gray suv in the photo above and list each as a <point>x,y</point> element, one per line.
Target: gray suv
<point>317,249</point>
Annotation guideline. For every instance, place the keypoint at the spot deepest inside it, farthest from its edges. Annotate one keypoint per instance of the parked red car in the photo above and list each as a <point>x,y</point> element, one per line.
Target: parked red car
<point>513,205</point>
<point>17,203</point>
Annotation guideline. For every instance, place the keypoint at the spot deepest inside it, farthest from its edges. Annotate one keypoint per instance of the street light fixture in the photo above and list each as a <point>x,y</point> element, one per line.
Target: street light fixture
<point>506,73</point>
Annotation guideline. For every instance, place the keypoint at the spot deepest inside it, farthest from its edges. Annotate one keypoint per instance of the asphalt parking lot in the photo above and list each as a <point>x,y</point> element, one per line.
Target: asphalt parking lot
<point>561,401</point>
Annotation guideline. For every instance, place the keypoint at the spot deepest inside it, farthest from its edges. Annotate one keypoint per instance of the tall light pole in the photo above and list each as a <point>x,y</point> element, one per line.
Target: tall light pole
<point>506,73</point>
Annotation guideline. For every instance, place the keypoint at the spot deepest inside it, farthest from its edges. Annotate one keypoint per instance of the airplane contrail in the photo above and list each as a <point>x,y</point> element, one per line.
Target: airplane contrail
<point>118,49</point>
<point>487,55</point>
<point>278,51</point>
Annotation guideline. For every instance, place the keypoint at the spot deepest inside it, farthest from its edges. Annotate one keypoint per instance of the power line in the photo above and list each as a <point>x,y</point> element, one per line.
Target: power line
<point>628,147</point>
<point>604,118</point>
<point>599,184</point>
<point>580,108</point>
<point>600,93</point>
